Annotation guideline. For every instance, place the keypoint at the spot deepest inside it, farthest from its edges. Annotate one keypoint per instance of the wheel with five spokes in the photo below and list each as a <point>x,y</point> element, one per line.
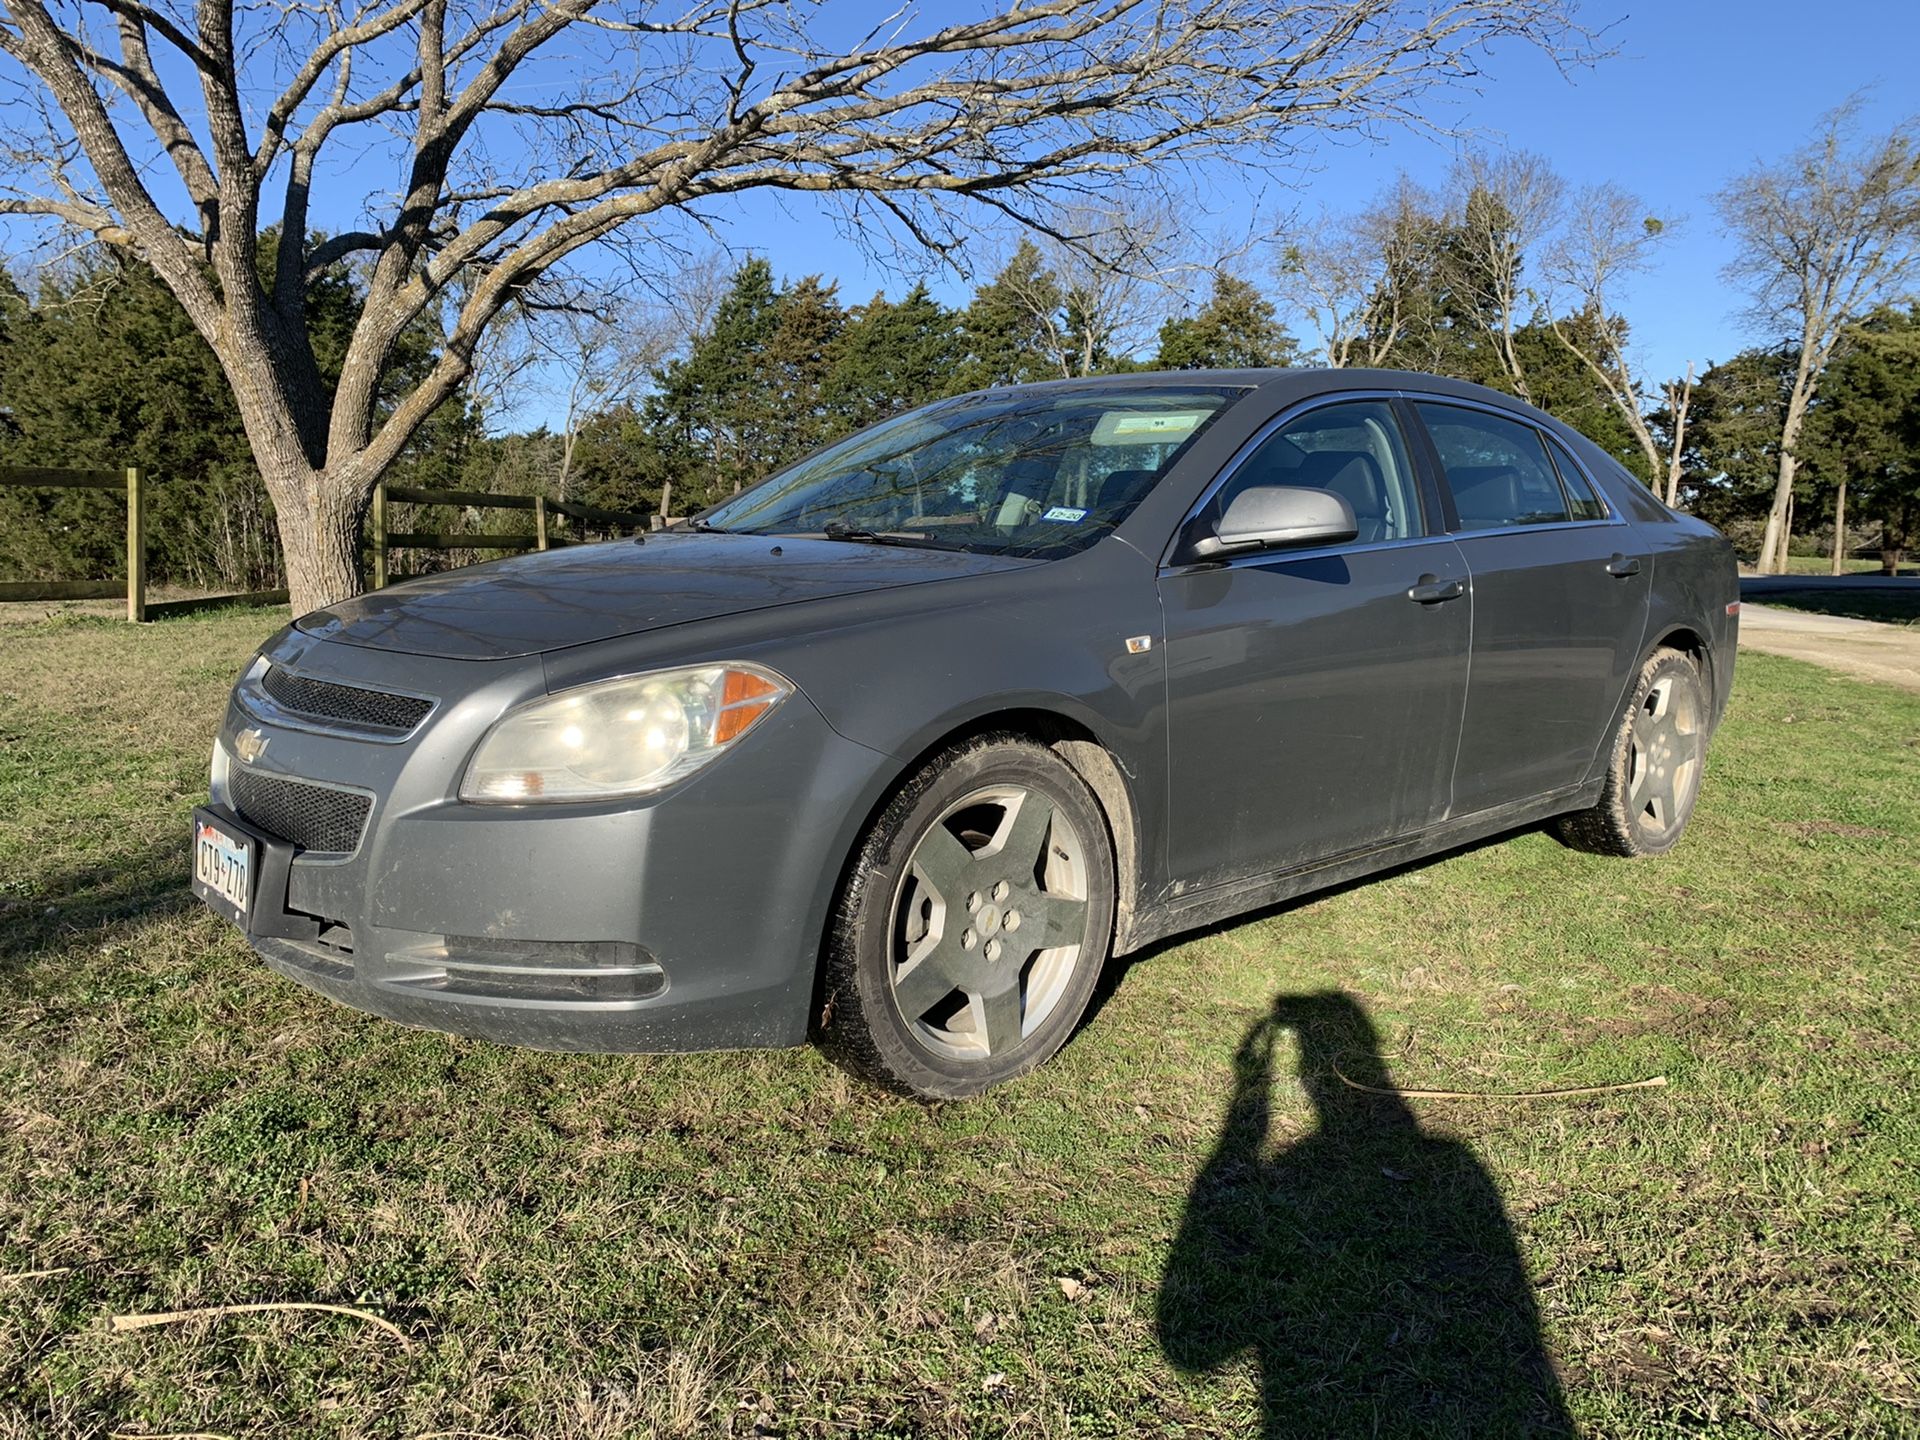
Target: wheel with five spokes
<point>973,923</point>
<point>1653,774</point>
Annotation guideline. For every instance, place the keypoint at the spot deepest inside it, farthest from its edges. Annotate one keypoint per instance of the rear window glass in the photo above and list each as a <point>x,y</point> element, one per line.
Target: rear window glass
<point>1497,468</point>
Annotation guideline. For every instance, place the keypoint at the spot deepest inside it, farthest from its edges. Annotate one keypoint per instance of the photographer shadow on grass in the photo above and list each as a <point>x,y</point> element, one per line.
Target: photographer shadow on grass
<point>1368,1268</point>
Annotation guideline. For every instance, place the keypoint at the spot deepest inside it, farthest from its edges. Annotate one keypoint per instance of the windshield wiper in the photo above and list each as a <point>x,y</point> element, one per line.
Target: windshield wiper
<point>709,527</point>
<point>842,530</point>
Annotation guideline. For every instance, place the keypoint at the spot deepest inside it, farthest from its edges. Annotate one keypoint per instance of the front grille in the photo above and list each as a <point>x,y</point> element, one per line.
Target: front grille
<point>311,816</point>
<point>330,700</point>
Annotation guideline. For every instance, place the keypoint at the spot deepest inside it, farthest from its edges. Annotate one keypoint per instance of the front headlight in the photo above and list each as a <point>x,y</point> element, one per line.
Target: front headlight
<point>620,737</point>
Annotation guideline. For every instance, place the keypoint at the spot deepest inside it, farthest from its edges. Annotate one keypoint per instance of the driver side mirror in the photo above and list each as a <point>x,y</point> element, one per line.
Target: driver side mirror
<point>1273,517</point>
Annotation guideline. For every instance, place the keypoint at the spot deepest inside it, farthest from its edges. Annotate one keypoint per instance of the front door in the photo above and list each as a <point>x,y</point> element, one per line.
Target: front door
<point>1314,697</point>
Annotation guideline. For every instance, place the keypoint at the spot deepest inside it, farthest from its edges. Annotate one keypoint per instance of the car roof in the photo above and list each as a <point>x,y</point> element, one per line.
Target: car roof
<point>1283,386</point>
<point>1302,380</point>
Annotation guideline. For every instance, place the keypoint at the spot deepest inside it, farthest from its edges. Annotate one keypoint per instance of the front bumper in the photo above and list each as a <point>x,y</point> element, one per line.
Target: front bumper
<point>687,920</point>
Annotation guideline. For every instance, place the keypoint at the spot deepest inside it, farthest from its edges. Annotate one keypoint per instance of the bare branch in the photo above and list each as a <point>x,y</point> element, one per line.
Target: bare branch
<point>1607,236</point>
<point>1034,111</point>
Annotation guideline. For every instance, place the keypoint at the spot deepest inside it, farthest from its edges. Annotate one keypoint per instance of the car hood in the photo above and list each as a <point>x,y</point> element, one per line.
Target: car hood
<point>573,596</point>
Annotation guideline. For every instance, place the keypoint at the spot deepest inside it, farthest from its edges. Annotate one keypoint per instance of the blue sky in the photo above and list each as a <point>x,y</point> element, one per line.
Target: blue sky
<point>1698,91</point>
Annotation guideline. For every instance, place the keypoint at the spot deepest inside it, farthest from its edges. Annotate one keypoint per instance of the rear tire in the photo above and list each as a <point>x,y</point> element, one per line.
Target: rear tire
<point>972,925</point>
<point>1653,771</point>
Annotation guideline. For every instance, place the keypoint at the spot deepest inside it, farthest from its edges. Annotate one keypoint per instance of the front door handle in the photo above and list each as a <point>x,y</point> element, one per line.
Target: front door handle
<point>1431,590</point>
<point>1621,566</point>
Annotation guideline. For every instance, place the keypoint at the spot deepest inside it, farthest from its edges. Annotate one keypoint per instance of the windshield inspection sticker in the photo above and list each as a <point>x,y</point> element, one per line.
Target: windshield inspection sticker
<point>1064,512</point>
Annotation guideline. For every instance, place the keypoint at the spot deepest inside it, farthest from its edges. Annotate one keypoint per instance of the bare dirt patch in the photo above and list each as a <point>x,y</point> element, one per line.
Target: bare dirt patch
<point>1888,654</point>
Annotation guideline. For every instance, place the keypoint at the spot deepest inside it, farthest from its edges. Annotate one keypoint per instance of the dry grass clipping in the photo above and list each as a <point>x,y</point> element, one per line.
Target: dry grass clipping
<point>218,1312</point>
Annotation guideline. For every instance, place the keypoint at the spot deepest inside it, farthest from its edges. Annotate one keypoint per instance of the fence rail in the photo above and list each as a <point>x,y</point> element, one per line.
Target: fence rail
<point>383,540</point>
<point>131,480</point>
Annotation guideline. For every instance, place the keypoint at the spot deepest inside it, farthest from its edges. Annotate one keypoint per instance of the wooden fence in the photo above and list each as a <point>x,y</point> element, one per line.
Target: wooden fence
<point>133,482</point>
<point>383,540</point>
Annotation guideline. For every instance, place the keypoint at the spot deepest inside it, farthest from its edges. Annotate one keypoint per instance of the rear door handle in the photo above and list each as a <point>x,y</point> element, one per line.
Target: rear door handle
<point>1431,590</point>
<point>1621,566</point>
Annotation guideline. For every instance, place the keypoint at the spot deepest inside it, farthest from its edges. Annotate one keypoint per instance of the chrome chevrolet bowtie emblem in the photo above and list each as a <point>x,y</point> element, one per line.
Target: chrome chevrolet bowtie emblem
<point>250,745</point>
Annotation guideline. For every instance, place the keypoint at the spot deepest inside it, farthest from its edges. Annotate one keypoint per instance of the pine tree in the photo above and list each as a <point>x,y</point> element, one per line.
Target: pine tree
<point>892,356</point>
<point>1008,333</point>
<point>1864,432</point>
<point>1235,329</point>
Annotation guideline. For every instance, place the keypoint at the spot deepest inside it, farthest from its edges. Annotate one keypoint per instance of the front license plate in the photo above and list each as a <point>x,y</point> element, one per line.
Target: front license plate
<point>223,867</point>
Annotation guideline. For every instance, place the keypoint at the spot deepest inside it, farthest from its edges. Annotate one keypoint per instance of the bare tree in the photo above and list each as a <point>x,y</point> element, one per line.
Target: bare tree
<point>519,132</point>
<point>1503,204</point>
<point>1824,235</point>
<point>1347,276</point>
<point>1606,236</point>
<point>602,360</point>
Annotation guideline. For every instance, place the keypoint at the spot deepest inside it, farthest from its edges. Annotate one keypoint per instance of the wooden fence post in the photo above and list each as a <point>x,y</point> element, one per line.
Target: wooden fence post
<point>136,549</point>
<point>380,535</point>
<point>540,521</point>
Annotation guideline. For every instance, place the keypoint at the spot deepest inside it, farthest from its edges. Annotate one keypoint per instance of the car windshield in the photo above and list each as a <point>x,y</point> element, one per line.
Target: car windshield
<point>1020,472</point>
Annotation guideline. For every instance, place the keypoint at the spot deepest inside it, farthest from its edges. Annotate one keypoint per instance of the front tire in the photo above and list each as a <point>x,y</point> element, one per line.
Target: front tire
<point>1653,772</point>
<point>973,923</point>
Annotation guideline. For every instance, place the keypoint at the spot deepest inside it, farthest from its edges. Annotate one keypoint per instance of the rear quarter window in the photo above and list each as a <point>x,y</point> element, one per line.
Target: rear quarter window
<point>1582,502</point>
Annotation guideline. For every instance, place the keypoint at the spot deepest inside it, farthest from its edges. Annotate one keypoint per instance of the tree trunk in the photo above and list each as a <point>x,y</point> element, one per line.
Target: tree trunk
<point>1773,543</point>
<point>1772,559</point>
<point>1840,528</point>
<point>318,515</point>
<point>1678,403</point>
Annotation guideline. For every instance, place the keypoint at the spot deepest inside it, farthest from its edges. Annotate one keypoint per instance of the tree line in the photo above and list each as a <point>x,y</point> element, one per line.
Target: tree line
<point>1503,275</point>
<point>99,369</point>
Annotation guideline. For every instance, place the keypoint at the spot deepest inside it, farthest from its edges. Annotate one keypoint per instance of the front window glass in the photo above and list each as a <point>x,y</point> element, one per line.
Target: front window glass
<point>1021,472</point>
<point>1353,449</point>
<point>1497,468</point>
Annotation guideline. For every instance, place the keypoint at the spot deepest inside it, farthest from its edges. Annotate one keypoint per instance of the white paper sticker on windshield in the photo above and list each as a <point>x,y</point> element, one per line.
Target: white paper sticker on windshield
<point>1145,427</point>
<point>1064,512</point>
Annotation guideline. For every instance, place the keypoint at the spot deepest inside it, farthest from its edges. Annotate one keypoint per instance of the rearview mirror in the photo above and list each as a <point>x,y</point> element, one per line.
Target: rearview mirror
<point>1270,517</point>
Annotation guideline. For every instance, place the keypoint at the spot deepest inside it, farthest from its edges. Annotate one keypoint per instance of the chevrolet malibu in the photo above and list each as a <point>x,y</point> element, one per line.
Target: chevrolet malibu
<point>898,747</point>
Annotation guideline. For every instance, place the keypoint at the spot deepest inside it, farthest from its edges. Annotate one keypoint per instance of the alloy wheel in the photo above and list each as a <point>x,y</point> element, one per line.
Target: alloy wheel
<point>989,922</point>
<point>1663,757</point>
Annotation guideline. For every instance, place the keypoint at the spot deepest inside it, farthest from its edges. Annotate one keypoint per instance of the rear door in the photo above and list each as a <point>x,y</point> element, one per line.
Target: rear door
<point>1314,697</point>
<point>1560,591</point>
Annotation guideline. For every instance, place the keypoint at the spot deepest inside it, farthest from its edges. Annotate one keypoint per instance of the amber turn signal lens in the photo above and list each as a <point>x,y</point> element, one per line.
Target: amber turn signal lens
<point>743,699</point>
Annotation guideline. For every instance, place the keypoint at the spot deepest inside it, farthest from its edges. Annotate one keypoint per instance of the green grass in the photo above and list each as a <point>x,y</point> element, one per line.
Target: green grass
<point>1823,565</point>
<point>1890,607</point>
<point>741,1244</point>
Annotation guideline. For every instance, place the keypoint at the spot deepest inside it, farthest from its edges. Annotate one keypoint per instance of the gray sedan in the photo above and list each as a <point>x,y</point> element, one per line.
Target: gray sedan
<point>898,747</point>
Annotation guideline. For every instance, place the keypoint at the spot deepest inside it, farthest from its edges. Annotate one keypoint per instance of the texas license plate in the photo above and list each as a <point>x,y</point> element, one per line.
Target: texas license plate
<point>223,867</point>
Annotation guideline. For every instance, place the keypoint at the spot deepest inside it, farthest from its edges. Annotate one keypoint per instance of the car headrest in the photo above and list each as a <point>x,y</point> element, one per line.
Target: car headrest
<point>1123,488</point>
<point>1485,494</point>
<point>1353,475</point>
